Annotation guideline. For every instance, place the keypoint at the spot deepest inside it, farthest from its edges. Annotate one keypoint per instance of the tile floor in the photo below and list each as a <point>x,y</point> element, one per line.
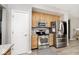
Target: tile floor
<point>72,49</point>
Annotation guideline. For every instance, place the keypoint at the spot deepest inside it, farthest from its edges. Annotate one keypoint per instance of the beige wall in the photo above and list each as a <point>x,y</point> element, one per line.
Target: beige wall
<point>74,24</point>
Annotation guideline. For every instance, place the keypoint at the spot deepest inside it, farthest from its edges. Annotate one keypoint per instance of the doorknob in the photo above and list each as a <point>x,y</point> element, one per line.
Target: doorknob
<point>25,35</point>
<point>12,32</point>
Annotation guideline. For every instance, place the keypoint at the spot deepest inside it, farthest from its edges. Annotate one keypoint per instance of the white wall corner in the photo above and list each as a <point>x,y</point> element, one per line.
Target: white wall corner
<point>66,19</point>
<point>29,52</point>
<point>4,26</point>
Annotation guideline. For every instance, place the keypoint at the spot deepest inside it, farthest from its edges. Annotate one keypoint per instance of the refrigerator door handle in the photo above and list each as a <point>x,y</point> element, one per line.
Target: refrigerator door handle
<point>63,27</point>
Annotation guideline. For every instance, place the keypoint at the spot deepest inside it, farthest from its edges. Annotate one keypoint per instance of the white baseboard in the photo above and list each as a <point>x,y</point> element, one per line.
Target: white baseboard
<point>29,52</point>
<point>72,39</point>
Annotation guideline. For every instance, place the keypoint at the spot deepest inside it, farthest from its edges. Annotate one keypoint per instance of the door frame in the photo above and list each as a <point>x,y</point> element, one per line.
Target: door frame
<point>16,10</point>
<point>4,24</point>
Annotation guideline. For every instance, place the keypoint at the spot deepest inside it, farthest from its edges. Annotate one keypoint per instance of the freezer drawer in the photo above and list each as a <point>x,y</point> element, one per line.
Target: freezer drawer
<point>61,44</point>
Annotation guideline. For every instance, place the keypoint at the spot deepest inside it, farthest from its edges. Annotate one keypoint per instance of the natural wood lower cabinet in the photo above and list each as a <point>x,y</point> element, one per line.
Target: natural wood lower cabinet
<point>50,39</point>
<point>34,41</point>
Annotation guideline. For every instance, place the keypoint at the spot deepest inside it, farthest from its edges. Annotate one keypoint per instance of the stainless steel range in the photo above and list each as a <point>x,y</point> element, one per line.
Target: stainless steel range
<point>43,41</point>
<point>43,34</point>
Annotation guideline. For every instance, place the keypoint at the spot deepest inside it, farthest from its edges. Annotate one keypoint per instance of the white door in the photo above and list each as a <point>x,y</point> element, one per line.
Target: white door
<point>19,31</point>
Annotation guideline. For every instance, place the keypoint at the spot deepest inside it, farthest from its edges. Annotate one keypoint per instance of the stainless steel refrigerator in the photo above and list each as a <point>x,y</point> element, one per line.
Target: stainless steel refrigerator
<point>59,29</point>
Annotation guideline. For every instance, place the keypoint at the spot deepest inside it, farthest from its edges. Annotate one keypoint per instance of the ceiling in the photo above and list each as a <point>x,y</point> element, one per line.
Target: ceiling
<point>72,9</point>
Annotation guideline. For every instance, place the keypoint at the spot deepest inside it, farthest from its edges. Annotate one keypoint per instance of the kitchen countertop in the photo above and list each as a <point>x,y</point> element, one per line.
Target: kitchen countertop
<point>4,48</point>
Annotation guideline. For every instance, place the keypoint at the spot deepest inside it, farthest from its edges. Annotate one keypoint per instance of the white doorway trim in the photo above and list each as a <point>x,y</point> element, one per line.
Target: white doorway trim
<point>4,22</point>
<point>21,36</point>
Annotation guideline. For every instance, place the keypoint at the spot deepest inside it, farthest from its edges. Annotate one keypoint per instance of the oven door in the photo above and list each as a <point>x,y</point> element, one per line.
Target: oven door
<point>43,42</point>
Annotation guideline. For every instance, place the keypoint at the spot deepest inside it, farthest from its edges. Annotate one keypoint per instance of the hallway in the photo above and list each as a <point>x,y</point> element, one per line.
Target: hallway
<point>72,49</point>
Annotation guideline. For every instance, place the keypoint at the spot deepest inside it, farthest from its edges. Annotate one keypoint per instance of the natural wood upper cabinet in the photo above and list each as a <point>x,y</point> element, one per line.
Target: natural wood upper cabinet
<point>37,16</point>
